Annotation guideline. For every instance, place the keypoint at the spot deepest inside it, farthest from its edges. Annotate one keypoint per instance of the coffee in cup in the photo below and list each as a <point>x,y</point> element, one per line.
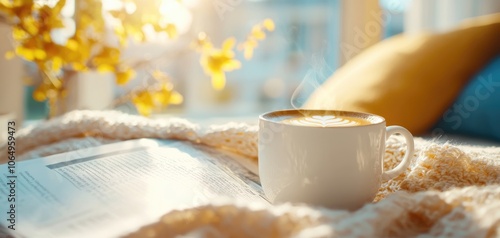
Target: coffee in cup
<point>326,121</point>
<point>325,158</point>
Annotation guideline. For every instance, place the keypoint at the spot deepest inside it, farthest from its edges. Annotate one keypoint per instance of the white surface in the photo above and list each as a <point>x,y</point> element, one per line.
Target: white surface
<point>11,77</point>
<point>111,190</point>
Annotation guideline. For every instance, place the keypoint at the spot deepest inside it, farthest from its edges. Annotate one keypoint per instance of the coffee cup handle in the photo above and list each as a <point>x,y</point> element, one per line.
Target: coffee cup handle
<point>387,175</point>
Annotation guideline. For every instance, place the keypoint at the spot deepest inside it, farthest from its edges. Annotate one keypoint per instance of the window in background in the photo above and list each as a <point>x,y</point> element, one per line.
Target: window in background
<point>442,15</point>
<point>394,14</point>
<point>305,43</point>
<point>305,40</point>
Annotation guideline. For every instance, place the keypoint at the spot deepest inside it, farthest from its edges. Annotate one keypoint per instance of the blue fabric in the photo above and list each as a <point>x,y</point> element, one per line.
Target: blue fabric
<point>476,111</point>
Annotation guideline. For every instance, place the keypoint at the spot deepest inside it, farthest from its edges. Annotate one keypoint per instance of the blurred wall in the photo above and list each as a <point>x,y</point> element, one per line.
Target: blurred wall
<point>11,79</point>
<point>441,15</point>
<point>362,24</point>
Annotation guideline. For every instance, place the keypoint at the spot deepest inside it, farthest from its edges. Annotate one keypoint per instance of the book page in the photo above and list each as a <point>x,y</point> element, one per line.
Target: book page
<point>115,189</point>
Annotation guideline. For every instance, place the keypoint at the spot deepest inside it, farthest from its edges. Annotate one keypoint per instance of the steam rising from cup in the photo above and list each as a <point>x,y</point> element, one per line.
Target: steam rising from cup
<point>312,81</point>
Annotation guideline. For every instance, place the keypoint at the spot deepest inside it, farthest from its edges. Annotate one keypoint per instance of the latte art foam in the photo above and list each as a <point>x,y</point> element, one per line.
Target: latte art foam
<point>325,121</point>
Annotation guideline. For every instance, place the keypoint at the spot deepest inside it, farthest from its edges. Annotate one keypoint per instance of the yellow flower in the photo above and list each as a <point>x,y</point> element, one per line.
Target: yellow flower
<point>107,59</point>
<point>257,33</point>
<point>19,34</point>
<point>33,23</point>
<point>159,76</point>
<point>48,89</point>
<point>248,48</point>
<point>18,8</point>
<point>77,51</point>
<point>143,102</point>
<point>166,96</point>
<point>56,63</point>
<point>150,99</point>
<point>122,77</point>
<point>171,30</point>
<point>31,54</point>
<point>216,62</point>
<point>133,17</point>
<point>32,27</point>
<point>50,16</point>
<point>89,15</point>
<point>268,24</point>
<point>39,94</point>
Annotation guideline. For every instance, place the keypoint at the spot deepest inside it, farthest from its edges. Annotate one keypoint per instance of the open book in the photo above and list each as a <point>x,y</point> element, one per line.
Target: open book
<point>112,190</point>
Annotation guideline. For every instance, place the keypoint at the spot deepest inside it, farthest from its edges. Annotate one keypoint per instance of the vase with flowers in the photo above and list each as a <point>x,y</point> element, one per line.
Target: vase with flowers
<point>93,41</point>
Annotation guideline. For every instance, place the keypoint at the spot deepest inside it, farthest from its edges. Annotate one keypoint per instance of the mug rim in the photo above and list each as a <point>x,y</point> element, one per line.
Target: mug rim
<point>265,117</point>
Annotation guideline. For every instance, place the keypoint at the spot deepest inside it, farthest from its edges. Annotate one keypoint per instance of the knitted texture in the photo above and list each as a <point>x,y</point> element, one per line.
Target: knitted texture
<point>448,190</point>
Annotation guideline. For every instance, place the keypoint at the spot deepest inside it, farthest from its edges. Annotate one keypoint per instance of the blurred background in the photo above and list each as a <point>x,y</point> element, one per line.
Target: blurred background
<point>307,41</point>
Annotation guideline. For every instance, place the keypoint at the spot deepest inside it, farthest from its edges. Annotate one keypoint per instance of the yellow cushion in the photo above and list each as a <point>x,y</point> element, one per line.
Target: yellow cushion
<point>412,79</point>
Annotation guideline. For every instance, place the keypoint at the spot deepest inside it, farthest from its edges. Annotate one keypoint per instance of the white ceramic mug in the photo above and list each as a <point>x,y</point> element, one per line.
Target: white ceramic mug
<point>335,167</point>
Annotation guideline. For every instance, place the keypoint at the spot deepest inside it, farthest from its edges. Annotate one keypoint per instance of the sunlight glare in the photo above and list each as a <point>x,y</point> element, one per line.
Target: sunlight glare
<point>177,14</point>
<point>130,7</point>
<point>112,5</point>
<point>190,3</point>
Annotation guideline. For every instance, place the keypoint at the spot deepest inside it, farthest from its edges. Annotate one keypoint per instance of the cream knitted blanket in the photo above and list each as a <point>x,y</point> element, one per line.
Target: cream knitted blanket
<point>448,191</point>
